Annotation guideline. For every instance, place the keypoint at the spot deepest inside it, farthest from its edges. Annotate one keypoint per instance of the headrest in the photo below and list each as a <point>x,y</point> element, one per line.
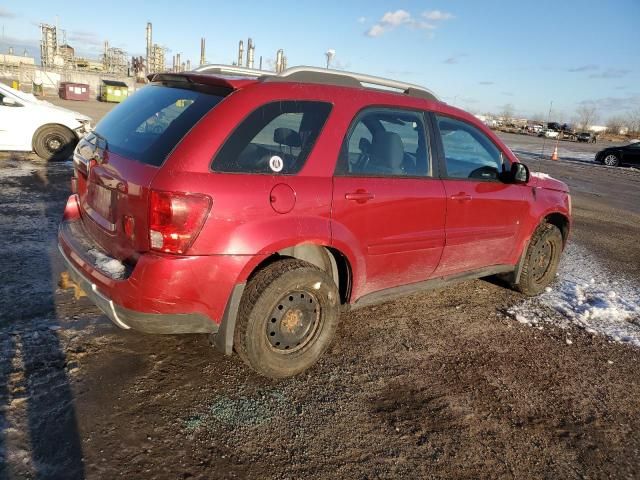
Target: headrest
<point>286,136</point>
<point>387,147</point>
<point>364,145</point>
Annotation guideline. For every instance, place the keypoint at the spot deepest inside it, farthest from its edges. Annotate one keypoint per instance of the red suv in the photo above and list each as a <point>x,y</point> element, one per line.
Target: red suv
<point>256,209</point>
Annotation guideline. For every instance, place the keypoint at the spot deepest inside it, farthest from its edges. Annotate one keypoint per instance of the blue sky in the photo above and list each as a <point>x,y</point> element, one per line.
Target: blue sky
<point>479,55</point>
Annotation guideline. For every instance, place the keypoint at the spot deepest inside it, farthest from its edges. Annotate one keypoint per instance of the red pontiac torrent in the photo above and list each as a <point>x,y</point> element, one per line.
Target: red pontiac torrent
<point>256,207</point>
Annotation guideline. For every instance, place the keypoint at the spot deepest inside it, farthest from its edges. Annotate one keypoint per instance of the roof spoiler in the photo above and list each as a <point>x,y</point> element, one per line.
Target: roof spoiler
<point>192,78</point>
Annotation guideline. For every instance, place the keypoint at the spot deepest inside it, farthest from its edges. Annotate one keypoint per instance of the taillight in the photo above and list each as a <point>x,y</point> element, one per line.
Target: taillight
<point>175,220</point>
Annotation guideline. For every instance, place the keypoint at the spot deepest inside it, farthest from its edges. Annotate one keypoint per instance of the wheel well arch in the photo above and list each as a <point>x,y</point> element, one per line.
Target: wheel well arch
<point>46,125</point>
<point>561,221</point>
<point>331,260</point>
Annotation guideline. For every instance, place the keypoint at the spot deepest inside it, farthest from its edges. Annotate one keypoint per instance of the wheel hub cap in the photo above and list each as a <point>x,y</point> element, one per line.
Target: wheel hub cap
<point>293,321</point>
<point>54,144</point>
<point>542,260</point>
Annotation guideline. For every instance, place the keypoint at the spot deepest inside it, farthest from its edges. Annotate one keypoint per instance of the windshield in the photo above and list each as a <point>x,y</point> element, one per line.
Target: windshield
<point>148,125</point>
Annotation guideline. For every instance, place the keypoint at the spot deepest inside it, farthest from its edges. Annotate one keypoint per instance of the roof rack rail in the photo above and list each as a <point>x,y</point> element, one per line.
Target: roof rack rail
<point>232,70</point>
<point>350,79</point>
<point>322,76</point>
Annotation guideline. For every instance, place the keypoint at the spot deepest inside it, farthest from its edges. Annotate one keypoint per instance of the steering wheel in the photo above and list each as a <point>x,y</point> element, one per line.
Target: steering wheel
<point>486,172</point>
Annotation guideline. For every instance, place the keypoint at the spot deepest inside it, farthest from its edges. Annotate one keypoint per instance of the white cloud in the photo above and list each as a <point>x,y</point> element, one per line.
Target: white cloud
<point>375,31</point>
<point>4,13</point>
<point>393,20</point>
<point>361,19</point>
<point>436,15</point>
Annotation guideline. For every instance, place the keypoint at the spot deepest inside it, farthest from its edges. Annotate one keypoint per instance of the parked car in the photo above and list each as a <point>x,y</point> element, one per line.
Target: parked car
<point>547,132</point>
<point>615,156</point>
<point>28,124</point>
<point>588,137</point>
<point>257,211</point>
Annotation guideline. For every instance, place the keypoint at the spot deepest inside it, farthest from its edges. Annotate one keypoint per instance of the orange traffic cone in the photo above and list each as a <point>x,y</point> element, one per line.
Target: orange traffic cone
<point>555,154</point>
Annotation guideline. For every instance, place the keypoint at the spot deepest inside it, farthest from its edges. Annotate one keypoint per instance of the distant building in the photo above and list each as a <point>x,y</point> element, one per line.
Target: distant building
<point>597,128</point>
<point>16,60</point>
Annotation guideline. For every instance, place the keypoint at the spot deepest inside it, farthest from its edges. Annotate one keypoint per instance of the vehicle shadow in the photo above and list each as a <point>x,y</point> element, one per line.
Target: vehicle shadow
<point>39,435</point>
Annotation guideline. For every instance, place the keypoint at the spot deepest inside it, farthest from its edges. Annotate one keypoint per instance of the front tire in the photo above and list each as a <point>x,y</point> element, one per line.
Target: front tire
<point>541,260</point>
<point>54,143</point>
<point>287,318</point>
<point>611,160</point>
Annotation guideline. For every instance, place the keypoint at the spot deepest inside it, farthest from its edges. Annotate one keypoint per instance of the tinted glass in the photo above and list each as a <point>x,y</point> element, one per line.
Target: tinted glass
<point>386,143</point>
<point>276,138</point>
<point>148,125</point>
<point>468,152</point>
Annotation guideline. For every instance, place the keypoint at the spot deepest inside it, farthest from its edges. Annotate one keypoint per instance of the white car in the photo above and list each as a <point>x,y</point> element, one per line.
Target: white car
<point>28,124</point>
<point>549,133</point>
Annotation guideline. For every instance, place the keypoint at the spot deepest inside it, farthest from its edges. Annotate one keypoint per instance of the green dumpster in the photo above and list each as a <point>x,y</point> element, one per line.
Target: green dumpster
<point>113,91</point>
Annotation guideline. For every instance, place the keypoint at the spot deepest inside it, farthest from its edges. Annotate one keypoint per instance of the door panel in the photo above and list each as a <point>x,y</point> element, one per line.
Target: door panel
<point>483,212</point>
<point>481,229</point>
<point>14,123</point>
<point>400,231</point>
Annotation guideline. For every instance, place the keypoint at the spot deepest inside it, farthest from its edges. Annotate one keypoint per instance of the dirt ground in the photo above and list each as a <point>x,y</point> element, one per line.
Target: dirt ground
<point>444,384</point>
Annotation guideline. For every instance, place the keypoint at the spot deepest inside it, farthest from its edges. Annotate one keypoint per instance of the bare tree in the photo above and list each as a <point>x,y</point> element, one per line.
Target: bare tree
<point>586,116</point>
<point>539,117</point>
<point>507,112</point>
<point>633,120</point>
<point>616,123</point>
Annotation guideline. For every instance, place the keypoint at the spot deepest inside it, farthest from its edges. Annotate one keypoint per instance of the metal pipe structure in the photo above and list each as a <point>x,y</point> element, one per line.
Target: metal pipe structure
<point>188,65</point>
<point>240,53</point>
<point>178,62</point>
<point>149,47</point>
<point>279,59</point>
<point>202,55</point>
<point>250,52</point>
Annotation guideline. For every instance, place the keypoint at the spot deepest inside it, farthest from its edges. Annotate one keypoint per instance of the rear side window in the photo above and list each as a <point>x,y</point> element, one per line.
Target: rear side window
<point>153,121</point>
<point>386,142</point>
<point>276,138</point>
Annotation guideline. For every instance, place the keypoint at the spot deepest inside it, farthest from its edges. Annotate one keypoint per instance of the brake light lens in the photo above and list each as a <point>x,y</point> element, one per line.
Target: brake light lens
<point>175,220</point>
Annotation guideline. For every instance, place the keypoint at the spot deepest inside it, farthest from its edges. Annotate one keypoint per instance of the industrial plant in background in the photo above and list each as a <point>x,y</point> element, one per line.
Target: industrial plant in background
<point>281,60</point>
<point>60,63</point>
<point>61,56</point>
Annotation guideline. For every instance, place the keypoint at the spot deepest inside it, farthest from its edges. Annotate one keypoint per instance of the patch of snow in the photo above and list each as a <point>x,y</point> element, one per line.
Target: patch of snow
<point>111,266</point>
<point>588,296</point>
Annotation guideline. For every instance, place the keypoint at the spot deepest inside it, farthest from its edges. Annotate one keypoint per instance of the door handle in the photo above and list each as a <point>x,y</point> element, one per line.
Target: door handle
<point>463,197</point>
<point>360,196</point>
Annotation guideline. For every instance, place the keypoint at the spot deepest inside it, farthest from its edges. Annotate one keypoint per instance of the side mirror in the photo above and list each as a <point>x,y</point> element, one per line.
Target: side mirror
<point>9,102</point>
<point>519,173</point>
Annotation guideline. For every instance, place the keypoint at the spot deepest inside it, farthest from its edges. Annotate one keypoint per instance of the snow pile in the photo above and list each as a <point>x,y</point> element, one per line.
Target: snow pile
<point>111,266</point>
<point>586,295</point>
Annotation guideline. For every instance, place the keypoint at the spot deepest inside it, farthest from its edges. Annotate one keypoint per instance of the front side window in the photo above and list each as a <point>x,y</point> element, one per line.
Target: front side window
<point>386,142</point>
<point>468,152</point>
<point>276,138</point>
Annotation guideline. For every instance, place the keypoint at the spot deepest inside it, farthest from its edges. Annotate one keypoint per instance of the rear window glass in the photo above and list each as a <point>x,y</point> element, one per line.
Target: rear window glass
<point>152,122</point>
<point>275,138</point>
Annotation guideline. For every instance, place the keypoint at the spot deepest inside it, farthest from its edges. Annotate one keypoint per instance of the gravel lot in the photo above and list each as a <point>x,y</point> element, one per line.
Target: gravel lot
<point>444,384</point>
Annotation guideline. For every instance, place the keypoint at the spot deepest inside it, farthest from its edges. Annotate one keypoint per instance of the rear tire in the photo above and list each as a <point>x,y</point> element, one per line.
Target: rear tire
<point>287,318</point>
<point>54,143</point>
<point>541,260</point>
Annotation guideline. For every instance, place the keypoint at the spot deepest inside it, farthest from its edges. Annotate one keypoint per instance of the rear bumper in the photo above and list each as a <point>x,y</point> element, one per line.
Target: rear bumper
<point>141,321</point>
<point>158,293</point>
